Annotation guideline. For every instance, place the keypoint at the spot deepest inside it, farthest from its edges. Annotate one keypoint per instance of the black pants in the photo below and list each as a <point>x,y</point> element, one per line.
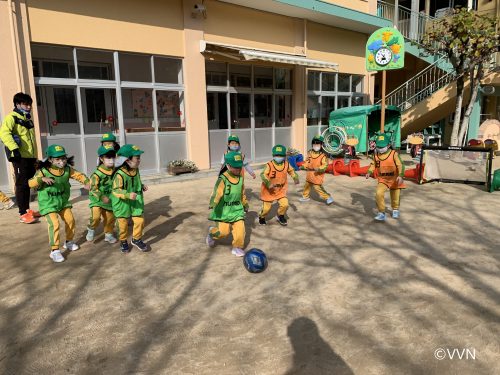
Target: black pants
<point>24,170</point>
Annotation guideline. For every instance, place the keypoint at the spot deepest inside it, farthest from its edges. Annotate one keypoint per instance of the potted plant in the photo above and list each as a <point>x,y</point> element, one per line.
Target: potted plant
<point>176,167</point>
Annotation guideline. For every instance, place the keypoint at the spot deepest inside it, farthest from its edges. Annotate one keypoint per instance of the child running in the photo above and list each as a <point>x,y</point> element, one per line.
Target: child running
<point>316,165</point>
<point>233,144</point>
<point>229,204</point>
<point>275,185</point>
<point>101,184</point>
<point>52,181</point>
<point>127,198</point>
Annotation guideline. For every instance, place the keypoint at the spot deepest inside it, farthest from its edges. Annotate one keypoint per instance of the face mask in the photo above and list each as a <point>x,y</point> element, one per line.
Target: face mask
<point>108,162</point>
<point>234,148</point>
<point>382,150</point>
<point>317,148</point>
<point>59,163</point>
<point>279,159</point>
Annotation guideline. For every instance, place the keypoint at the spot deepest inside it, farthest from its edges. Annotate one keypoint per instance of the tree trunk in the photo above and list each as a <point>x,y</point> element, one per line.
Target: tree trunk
<point>458,111</point>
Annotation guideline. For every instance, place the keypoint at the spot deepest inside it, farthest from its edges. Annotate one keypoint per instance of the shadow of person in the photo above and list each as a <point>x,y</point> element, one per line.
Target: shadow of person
<point>312,355</point>
<point>162,230</point>
<point>367,202</point>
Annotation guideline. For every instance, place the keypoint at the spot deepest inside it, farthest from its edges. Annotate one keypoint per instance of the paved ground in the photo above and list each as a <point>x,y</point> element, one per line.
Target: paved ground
<point>342,294</point>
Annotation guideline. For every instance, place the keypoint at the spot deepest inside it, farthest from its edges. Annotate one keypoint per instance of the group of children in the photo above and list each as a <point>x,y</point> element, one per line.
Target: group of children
<point>115,193</point>
<point>229,203</point>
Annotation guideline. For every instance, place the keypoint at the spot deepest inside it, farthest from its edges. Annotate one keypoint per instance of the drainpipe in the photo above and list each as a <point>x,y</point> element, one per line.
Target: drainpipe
<point>13,40</point>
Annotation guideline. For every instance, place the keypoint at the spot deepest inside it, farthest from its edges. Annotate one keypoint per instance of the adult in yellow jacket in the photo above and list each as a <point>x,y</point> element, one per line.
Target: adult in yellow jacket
<point>316,165</point>
<point>18,135</point>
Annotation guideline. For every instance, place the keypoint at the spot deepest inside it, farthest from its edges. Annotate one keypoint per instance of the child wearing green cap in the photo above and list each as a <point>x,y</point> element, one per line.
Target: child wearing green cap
<point>316,165</point>
<point>233,144</point>
<point>52,182</point>
<point>275,184</point>
<point>127,198</point>
<point>390,172</point>
<point>101,183</point>
<point>229,205</point>
<point>109,139</point>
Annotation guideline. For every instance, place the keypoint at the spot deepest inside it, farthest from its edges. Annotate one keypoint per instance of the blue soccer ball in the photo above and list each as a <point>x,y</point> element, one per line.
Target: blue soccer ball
<point>255,261</point>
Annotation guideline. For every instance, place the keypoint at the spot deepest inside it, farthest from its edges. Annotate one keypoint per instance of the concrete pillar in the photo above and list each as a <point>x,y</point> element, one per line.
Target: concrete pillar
<point>299,122</point>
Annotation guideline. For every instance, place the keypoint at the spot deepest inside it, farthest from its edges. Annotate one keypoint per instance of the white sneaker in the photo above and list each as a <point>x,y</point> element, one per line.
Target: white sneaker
<point>8,205</point>
<point>56,256</point>
<point>90,235</point>
<point>395,214</point>
<point>329,201</point>
<point>209,240</point>
<point>380,216</point>
<point>237,251</point>
<point>304,199</point>
<point>108,237</point>
<point>70,245</point>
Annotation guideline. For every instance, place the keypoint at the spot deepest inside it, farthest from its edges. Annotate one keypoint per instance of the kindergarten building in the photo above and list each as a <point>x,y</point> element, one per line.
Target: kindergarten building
<point>176,77</point>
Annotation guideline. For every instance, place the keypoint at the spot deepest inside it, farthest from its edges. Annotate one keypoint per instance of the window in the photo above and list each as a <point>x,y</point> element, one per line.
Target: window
<point>239,75</point>
<point>283,110</point>
<point>283,79</point>
<point>313,110</point>
<point>263,77</point>
<point>327,106</point>
<point>65,105</point>
<point>52,61</point>
<point>168,107</point>
<point>357,83</point>
<point>216,73</point>
<point>344,83</point>
<point>96,105</point>
<point>95,64</point>
<point>328,81</point>
<point>217,110</point>
<point>240,111</point>
<point>167,70</point>
<point>263,104</point>
<point>313,80</point>
<point>135,68</point>
<point>137,110</point>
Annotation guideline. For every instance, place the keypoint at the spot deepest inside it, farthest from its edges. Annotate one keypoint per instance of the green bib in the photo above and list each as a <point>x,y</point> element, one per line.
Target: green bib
<point>128,207</point>
<point>230,207</point>
<point>55,197</point>
<point>105,187</point>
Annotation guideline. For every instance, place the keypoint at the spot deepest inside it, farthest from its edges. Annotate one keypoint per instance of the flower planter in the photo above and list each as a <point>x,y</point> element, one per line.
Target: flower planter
<point>178,170</point>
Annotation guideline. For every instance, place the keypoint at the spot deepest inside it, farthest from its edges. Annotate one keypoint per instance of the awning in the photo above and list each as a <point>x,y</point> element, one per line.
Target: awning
<point>246,54</point>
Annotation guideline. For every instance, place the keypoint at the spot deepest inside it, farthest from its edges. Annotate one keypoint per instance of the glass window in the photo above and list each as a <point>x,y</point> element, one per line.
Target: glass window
<point>344,83</point>
<point>137,110</point>
<point>136,68</point>
<point>216,74</point>
<point>57,113</point>
<point>283,78</point>
<point>55,61</point>
<point>357,83</point>
<point>313,80</point>
<point>168,107</point>
<point>99,110</point>
<point>357,100</point>
<point>343,101</point>
<point>65,105</point>
<point>328,81</point>
<point>327,106</point>
<point>217,110</point>
<point>312,110</point>
<point>240,111</point>
<point>263,110</point>
<point>263,77</point>
<point>239,75</point>
<point>95,64</point>
<point>167,70</point>
<point>283,110</point>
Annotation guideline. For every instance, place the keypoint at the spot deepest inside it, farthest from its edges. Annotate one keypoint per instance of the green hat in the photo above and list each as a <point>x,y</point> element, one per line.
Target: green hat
<point>129,150</point>
<point>233,138</point>
<point>382,140</point>
<point>234,159</point>
<point>55,151</point>
<point>108,137</point>
<point>318,138</point>
<point>279,150</point>
<point>103,150</point>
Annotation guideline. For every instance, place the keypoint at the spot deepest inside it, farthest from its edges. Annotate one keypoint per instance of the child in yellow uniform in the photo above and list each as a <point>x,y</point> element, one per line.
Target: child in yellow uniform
<point>316,165</point>
<point>101,184</point>
<point>229,205</point>
<point>52,182</point>
<point>275,185</point>
<point>233,144</point>
<point>390,172</point>
<point>7,203</point>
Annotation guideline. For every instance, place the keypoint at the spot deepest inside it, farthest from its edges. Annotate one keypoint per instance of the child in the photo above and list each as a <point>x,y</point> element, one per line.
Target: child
<point>101,183</point>
<point>109,139</point>
<point>390,172</point>
<point>275,185</point>
<point>229,204</point>
<point>233,144</point>
<point>52,182</point>
<point>127,198</point>
<point>7,203</point>
<point>316,165</point>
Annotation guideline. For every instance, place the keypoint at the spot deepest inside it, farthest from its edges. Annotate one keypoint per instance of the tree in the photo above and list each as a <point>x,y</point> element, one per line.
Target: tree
<point>468,39</point>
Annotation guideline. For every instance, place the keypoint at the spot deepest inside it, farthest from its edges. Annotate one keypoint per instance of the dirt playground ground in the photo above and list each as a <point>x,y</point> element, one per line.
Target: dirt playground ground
<point>342,294</point>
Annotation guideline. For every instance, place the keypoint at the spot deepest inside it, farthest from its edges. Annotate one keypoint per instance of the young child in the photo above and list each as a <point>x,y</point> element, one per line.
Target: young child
<point>127,198</point>
<point>233,144</point>
<point>316,165</point>
<point>275,185</point>
<point>109,139</point>
<point>52,182</point>
<point>7,203</point>
<point>101,184</point>
<point>390,172</point>
<point>229,204</point>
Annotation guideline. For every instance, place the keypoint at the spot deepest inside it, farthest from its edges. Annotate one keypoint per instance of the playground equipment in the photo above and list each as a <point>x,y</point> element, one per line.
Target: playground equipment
<point>334,138</point>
